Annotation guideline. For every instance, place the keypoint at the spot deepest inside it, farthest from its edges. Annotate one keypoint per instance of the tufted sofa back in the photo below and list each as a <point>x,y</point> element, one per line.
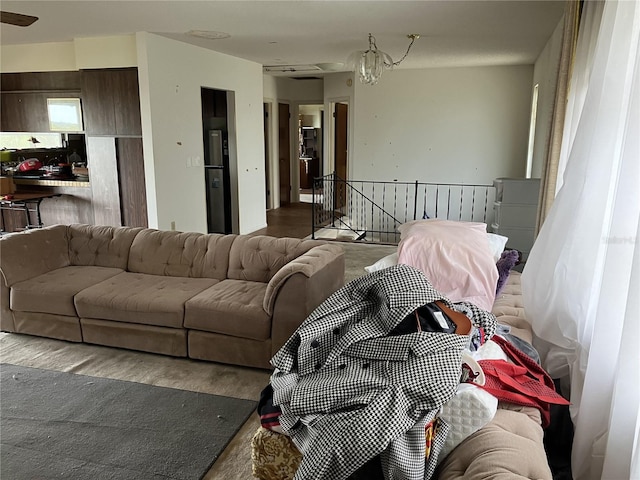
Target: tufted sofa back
<point>100,246</point>
<point>33,252</point>
<point>180,254</point>
<point>258,258</point>
<point>150,251</point>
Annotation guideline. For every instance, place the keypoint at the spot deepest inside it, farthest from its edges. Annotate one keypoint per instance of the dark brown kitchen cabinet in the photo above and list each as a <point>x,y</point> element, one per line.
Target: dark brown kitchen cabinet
<point>54,81</point>
<point>111,102</point>
<point>24,112</point>
<point>127,102</point>
<point>23,106</point>
<point>133,195</point>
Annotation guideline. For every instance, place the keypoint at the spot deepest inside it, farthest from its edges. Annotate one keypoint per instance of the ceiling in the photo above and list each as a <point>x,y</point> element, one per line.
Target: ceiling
<point>302,32</point>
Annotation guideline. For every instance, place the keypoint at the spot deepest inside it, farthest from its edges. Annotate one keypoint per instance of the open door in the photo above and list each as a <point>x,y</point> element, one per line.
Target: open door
<point>284,154</point>
<point>341,114</point>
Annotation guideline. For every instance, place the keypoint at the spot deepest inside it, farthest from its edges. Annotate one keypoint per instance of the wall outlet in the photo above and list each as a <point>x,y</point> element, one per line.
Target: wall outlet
<point>197,162</point>
<point>173,226</point>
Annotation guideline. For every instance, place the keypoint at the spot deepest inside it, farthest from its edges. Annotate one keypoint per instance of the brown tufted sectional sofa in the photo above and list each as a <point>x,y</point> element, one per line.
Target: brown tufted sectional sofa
<point>226,298</point>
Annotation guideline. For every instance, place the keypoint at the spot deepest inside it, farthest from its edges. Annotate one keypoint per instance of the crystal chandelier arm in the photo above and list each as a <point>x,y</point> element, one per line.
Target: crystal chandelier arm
<point>413,38</point>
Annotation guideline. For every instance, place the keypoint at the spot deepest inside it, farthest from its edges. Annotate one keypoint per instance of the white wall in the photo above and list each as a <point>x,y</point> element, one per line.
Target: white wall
<point>446,125</point>
<point>38,57</point>
<point>311,115</point>
<point>545,74</point>
<point>106,52</point>
<point>171,76</point>
<point>80,53</point>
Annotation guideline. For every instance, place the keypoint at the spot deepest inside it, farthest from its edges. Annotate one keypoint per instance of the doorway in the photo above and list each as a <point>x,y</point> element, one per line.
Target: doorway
<point>341,121</point>
<point>310,144</point>
<point>217,178</point>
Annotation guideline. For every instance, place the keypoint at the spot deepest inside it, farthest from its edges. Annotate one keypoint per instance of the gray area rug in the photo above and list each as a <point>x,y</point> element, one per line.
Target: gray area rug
<point>63,425</point>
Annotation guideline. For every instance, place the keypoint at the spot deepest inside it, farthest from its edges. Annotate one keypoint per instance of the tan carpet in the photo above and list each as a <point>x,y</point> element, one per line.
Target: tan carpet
<point>197,376</point>
<point>359,255</point>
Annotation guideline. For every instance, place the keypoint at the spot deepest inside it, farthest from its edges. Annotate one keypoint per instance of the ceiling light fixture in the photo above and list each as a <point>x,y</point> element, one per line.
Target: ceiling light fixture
<point>369,64</point>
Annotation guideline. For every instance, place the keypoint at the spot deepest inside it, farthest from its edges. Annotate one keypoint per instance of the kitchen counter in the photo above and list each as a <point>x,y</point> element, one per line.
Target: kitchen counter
<point>51,183</point>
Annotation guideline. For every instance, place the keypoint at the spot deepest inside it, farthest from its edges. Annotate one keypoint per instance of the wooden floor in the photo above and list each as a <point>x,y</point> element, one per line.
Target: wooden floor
<point>292,220</point>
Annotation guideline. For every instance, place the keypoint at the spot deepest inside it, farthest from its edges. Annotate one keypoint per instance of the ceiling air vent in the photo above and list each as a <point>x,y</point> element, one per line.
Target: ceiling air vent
<point>291,68</point>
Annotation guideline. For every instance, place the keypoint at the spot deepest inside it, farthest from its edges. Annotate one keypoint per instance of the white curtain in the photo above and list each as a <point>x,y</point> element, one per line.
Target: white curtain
<point>581,282</point>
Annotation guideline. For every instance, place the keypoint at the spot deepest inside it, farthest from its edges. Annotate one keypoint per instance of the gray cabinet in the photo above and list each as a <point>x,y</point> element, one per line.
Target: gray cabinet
<point>515,210</point>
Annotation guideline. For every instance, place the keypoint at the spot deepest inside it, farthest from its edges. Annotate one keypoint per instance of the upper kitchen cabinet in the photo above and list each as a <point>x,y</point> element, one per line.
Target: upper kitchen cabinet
<point>111,102</point>
<point>24,98</point>
<point>24,112</point>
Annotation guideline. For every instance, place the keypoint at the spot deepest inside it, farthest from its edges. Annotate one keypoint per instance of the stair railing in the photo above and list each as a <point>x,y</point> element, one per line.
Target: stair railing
<point>372,211</point>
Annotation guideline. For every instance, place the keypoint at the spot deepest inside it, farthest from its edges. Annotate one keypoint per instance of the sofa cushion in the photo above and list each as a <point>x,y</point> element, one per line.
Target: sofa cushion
<point>33,252</point>
<point>231,307</point>
<point>53,292</point>
<point>258,258</point>
<point>509,446</point>
<point>102,246</point>
<point>178,254</point>
<point>140,298</point>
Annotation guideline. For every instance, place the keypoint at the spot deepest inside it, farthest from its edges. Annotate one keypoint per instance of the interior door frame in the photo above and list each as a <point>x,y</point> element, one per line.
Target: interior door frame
<point>341,154</point>
<point>268,153</point>
<point>330,146</point>
<point>284,148</point>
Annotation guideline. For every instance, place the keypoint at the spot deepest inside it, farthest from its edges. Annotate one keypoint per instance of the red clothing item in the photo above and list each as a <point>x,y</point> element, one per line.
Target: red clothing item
<point>522,382</point>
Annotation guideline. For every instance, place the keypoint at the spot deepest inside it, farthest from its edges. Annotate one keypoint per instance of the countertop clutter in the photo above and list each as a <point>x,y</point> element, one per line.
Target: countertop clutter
<point>61,171</point>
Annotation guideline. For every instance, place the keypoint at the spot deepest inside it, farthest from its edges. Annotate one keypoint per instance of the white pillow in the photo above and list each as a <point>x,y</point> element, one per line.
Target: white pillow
<point>388,261</point>
<point>497,244</point>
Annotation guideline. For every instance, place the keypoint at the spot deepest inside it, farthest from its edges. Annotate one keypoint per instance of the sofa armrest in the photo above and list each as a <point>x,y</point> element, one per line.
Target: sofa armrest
<point>7,322</point>
<point>308,264</point>
<point>26,255</point>
<point>301,286</point>
<point>31,253</point>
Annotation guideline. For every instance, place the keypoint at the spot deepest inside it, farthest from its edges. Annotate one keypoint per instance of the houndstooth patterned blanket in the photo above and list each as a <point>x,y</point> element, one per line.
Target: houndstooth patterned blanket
<point>348,391</point>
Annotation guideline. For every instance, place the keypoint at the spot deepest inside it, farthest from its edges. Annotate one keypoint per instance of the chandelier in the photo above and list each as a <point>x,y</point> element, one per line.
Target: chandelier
<point>369,64</point>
